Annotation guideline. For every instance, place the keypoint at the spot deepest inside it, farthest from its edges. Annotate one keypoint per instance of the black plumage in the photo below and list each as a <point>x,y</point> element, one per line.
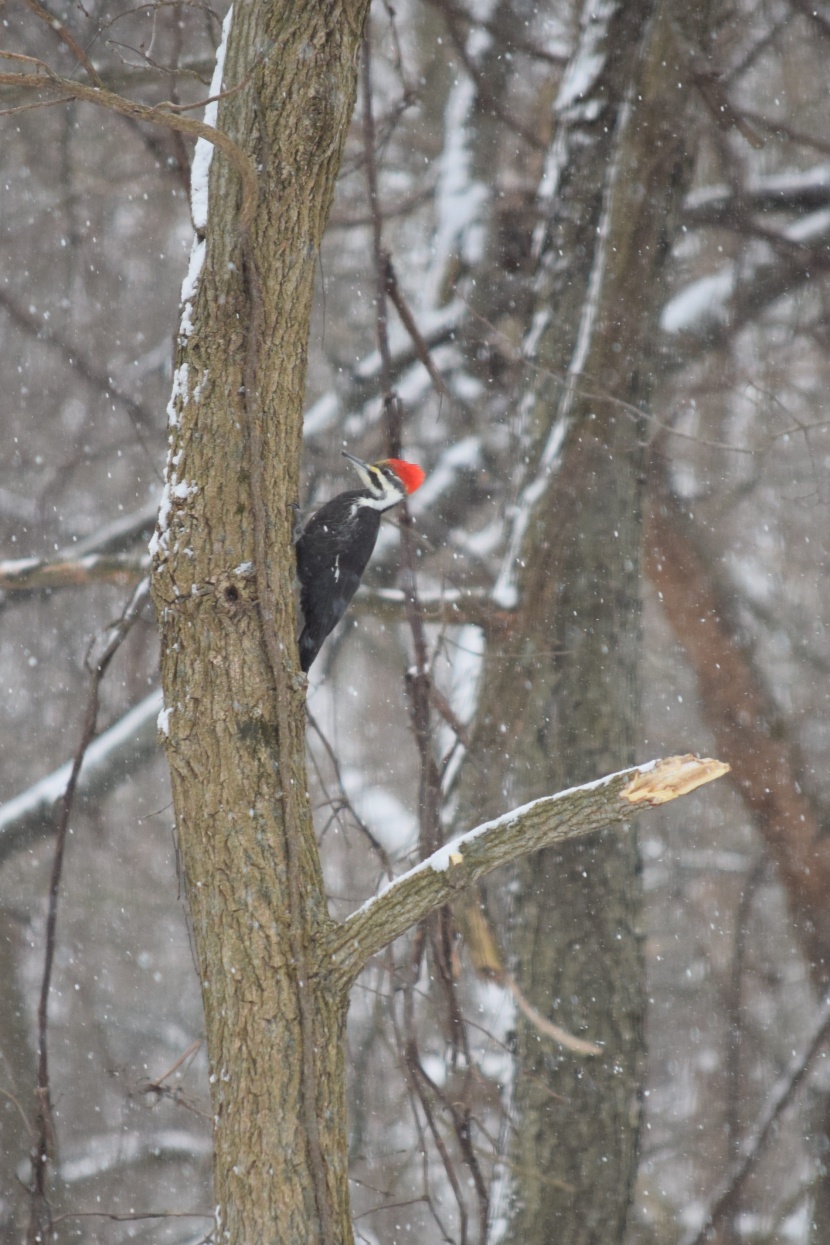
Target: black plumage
<point>332,554</point>
<point>337,542</point>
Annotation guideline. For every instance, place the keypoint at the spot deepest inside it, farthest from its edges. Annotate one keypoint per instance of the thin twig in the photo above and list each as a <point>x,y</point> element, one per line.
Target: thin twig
<point>132,1217</point>
<point>418,680</point>
<point>96,663</point>
<point>410,324</point>
<point>191,1050</point>
<point>54,23</point>
<point>376,846</point>
<point>45,79</point>
<point>754,1143</point>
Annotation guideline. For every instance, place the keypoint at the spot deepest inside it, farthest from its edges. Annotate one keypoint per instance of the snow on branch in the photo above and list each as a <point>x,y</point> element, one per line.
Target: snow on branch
<point>108,760</point>
<point>797,190</point>
<point>116,535</point>
<point>467,858</point>
<point>24,574</point>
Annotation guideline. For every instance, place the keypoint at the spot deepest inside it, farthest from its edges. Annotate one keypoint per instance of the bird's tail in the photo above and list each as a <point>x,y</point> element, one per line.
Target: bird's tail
<point>309,648</point>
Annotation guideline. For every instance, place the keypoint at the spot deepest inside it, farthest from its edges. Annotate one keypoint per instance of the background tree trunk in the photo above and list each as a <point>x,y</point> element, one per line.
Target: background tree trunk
<point>566,704</point>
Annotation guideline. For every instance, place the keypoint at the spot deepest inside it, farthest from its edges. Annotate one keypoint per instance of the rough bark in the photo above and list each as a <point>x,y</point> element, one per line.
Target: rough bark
<point>235,707</point>
<point>565,704</point>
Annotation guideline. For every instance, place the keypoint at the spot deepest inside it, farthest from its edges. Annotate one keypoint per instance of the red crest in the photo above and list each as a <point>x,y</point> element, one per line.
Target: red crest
<point>410,474</point>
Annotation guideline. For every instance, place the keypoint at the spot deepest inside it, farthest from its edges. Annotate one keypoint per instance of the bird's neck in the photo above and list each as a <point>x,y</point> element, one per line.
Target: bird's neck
<point>371,502</point>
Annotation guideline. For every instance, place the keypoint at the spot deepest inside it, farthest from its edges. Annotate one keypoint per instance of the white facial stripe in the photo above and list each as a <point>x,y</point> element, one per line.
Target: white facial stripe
<point>385,487</point>
<point>379,503</point>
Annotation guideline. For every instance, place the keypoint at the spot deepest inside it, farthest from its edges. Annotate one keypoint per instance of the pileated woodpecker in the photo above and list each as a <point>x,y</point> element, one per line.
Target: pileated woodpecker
<point>337,542</point>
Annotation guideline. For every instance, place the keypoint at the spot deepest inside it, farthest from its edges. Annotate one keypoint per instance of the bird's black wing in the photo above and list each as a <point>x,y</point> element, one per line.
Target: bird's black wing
<point>332,554</point>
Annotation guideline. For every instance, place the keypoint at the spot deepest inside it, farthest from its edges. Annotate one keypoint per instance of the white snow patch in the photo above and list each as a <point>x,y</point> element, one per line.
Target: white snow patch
<point>459,199</point>
<point>203,154</point>
<point>183,490</point>
<point>702,302</point>
<point>587,63</point>
<point>506,590</point>
<point>43,794</point>
<point>322,414</point>
<point>811,228</point>
<point>158,541</point>
<point>467,662</point>
<point>581,74</point>
<point>466,671</point>
<point>178,390</point>
<point>465,455</point>
<point>194,268</point>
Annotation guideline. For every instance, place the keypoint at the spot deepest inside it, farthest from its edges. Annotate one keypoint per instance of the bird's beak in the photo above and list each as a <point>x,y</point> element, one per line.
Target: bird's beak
<point>358,462</point>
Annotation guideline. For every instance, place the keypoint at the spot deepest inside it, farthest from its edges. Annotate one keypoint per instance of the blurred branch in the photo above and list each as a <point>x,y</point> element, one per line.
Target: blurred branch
<point>464,860</point>
<point>722,1203</point>
<point>513,38</point>
<point>46,80</point>
<point>487,97</point>
<point>797,193</point>
<point>23,574</point>
<point>488,962</point>
<point>111,758</point>
<point>66,37</point>
<point>766,768</point>
<point>409,322</point>
<point>114,536</point>
<point>42,331</point>
<point>99,655</point>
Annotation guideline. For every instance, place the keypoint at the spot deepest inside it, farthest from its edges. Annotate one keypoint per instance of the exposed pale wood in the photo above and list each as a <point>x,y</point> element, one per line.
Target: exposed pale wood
<point>469,857</point>
<point>673,777</point>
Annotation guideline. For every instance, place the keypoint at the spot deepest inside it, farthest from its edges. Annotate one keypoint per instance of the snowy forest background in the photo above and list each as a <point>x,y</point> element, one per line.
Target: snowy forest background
<point>96,233</point>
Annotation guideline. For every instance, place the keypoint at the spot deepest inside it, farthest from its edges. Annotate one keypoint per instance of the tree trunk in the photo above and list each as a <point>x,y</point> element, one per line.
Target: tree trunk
<point>565,703</point>
<point>223,587</point>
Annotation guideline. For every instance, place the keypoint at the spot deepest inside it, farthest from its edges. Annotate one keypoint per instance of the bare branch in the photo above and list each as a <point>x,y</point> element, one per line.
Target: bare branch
<point>23,574</point>
<point>410,324</point>
<point>99,655</point>
<point>118,534</point>
<point>66,36</point>
<point>114,754</point>
<point>46,80</point>
<point>753,1145</point>
<point>469,857</point>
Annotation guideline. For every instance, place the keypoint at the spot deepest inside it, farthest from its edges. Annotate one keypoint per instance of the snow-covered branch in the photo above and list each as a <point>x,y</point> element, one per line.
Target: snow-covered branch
<point>467,858</point>
<point>447,607</point>
<point>110,757</point>
<point>24,574</point>
<point>798,192</point>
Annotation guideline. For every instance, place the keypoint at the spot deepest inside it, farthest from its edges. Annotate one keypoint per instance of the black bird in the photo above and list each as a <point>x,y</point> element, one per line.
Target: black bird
<point>337,542</point>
